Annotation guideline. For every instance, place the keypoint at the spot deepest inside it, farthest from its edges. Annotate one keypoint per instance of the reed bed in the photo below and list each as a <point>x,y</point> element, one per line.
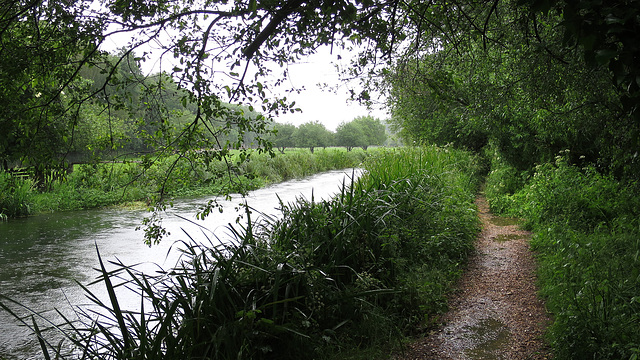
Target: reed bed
<point>104,184</point>
<point>341,278</point>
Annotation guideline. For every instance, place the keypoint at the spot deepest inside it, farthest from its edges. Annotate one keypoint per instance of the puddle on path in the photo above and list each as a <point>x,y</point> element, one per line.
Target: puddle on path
<point>505,221</point>
<point>490,338</point>
<point>507,237</point>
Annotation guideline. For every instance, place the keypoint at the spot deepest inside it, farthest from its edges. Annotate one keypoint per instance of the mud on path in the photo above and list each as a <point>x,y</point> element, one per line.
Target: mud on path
<point>495,312</point>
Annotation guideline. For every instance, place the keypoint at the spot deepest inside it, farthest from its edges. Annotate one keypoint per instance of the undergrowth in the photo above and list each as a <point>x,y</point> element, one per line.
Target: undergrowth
<point>587,235</point>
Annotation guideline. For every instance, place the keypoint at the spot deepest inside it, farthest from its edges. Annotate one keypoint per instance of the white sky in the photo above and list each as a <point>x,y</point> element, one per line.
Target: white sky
<point>329,107</point>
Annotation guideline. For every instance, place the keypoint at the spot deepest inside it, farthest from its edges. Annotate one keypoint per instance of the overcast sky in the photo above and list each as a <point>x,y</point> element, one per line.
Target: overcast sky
<point>329,107</point>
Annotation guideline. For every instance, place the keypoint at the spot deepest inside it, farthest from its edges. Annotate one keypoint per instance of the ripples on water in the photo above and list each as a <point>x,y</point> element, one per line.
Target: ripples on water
<point>42,257</point>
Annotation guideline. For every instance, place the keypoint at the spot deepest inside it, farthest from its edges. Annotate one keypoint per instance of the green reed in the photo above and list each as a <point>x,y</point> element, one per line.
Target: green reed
<point>16,196</point>
<point>111,183</point>
<point>347,275</point>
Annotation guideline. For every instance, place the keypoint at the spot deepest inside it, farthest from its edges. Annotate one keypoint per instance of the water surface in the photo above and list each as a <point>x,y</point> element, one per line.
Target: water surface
<point>43,258</point>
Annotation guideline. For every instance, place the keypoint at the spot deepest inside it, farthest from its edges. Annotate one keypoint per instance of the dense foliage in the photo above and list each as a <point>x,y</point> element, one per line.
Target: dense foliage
<point>549,94</point>
<point>519,80</point>
<point>219,52</point>
<point>586,233</point>
<point>324,279</point>
<point>524,72</point>
<point>518,87</point>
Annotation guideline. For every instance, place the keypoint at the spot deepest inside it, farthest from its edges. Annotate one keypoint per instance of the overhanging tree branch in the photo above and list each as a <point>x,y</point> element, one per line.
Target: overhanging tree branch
<point>269,30</point>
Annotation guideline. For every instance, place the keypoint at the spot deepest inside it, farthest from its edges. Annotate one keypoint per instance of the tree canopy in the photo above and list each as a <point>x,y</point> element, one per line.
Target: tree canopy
<point>373,129</point>
<point>283,138</point>
<point>350,135</point>
<point>520,83</point>
<point>218,52</point>
<point>363,131</point>
<point>312,135</point>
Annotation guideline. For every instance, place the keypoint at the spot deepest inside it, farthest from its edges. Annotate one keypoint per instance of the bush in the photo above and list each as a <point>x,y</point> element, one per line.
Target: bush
<point>587,227</point>
<point>591,283</point>
<point>580,198</point>
<point>502,182</point>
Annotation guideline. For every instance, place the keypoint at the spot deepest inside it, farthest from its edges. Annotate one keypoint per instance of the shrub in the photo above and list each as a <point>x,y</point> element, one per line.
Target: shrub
<point>502,182</point>
<point>591,283</point>
<point>587,227</point>
<point>580,198</point>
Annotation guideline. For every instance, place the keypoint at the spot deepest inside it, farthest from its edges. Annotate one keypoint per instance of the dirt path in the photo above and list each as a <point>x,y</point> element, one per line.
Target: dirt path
<point>495,312</point>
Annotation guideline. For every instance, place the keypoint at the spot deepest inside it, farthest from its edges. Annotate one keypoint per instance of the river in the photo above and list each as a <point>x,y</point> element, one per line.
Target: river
<point>44,257</point>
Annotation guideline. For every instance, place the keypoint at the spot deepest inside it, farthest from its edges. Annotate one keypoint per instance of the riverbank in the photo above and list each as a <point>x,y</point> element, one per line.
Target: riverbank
<point>44,257</point>
<point>344,278</point>
<point>131,184</point>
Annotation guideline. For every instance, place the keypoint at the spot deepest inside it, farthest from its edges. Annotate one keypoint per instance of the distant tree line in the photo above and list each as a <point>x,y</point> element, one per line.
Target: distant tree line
<point>363,131</point>
<point>121,112</point>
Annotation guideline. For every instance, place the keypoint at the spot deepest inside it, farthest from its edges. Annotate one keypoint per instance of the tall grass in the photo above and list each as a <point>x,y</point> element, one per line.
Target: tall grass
<point>297,163</point>
<point>342,276</point>
<point>16,196</point>
<point>104,184</point>
<point>587,231</point>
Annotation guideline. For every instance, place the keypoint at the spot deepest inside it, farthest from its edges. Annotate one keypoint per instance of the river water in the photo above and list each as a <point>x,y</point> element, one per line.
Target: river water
<point>44,257</point>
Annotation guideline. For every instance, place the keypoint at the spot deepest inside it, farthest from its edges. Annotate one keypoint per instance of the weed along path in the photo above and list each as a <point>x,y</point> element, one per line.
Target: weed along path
<point>494,312</point>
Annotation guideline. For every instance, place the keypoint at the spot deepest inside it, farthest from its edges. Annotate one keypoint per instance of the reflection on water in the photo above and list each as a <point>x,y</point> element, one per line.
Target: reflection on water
<point>505,221</point>
<point>42,257</point>
<point>489,339</point>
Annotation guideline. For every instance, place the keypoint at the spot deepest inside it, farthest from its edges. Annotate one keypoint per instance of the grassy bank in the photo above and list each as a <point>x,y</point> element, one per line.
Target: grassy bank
<point>335,279</point>
<point>587,234</point>
<point>104,184</point>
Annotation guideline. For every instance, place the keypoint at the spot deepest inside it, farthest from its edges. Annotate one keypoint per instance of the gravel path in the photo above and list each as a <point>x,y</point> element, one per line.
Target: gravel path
<point>495,312</point>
